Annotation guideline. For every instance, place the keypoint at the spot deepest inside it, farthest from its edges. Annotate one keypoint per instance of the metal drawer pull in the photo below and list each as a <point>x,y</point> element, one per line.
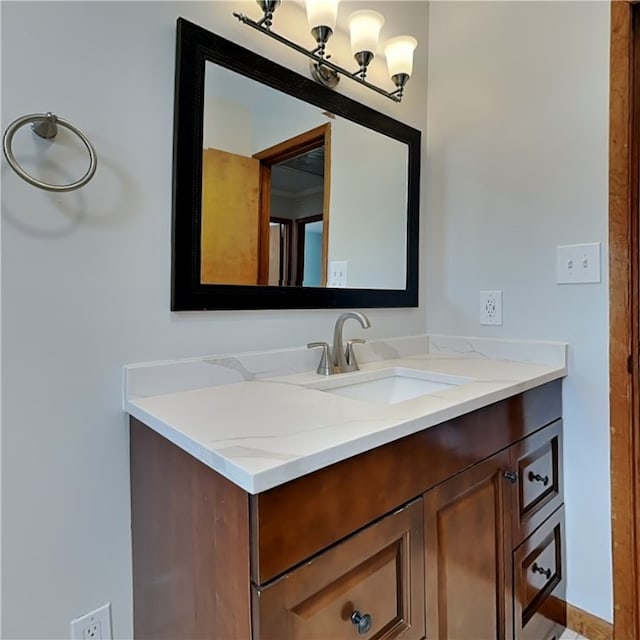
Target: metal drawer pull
<point>511,476</point>
<point>536,568</point>
<point>536,477</point>
<point>363,621</point>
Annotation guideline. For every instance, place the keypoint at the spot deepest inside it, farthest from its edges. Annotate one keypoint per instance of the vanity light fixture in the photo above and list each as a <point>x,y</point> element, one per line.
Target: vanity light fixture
<point>364,29</point>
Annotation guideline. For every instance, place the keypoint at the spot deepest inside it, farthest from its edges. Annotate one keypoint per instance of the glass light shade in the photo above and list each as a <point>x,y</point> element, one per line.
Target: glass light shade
<point>322,13</point>
<point>364,27</point>
<point>399,53</point>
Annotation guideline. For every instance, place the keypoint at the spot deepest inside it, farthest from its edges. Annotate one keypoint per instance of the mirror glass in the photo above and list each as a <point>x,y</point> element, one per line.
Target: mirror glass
<point>334,207</point>
<point>286,194</point>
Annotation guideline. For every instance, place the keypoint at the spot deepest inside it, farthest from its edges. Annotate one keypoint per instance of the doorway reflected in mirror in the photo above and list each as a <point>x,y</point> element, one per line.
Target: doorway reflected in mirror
<point>297,252</point>
<point>255,211</point>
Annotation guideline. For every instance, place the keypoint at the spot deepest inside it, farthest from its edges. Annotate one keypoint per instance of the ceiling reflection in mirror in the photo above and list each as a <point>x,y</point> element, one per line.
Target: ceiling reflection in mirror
<point>295,196</point>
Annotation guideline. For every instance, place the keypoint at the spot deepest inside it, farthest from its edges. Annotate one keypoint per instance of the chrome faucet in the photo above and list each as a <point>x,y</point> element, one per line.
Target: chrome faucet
<point>344,361</point>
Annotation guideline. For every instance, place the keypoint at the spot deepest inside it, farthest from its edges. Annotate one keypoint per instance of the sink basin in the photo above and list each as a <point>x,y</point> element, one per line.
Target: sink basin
<point>388,386</point>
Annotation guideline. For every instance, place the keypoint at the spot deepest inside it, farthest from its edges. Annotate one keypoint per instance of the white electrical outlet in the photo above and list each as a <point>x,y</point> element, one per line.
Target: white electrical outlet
<point>95,625</point>
<point>491,307</point>
<point>338,273</point>
<point>578,263</point>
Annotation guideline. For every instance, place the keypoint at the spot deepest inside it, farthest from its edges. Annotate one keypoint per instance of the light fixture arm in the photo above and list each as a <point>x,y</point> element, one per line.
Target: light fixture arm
<point>317,56</point>
<point>268,7</point>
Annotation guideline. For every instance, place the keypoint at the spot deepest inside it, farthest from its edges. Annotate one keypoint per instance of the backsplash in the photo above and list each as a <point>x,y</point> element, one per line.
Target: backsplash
<point>158,378</point>
<point>530,351</point>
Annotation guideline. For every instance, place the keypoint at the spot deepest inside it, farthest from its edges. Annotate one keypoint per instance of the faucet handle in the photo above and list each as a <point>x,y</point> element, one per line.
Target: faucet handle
<point>325,368</point>
<point>350,355</point>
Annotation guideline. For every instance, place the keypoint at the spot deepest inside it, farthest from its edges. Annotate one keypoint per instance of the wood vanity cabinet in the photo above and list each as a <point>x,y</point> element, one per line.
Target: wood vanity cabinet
<point>494,554</point>
<point>455,532</point>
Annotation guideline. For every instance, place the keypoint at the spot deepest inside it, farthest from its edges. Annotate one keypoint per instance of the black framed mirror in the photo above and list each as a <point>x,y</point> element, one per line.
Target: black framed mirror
<point>342,232</point>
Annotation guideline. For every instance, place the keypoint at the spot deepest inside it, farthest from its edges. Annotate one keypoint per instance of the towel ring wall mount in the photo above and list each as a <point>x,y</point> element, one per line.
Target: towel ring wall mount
<point>46,126</point>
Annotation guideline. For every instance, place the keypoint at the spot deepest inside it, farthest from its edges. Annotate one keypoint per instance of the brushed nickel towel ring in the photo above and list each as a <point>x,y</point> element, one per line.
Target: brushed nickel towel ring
<point>46,126</point>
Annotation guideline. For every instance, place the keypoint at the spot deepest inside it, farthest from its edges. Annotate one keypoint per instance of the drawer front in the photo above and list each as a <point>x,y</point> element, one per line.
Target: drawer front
<point>538,493</point>
<point>539,580</point>
<point>369,586</point>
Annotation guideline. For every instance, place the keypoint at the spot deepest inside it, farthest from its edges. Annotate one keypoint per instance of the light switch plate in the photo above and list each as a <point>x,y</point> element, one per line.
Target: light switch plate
<point>578,263</point>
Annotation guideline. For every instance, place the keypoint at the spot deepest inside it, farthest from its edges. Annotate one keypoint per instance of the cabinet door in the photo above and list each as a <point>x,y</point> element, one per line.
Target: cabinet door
<point>369,586</point>
<point>468,555</point>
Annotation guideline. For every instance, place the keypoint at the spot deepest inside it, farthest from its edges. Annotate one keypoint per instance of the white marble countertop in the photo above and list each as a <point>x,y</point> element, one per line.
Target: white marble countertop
<point>264,432</point>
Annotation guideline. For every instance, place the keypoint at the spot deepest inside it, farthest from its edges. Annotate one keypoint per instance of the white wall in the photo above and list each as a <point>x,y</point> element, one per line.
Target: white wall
<point>235,136</point>
<point>368,213</point>
<point>85,286</point>
<point>517,164</point>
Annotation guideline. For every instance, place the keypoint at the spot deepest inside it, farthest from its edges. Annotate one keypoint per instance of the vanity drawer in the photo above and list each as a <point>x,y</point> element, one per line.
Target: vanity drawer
<point>376,575</point>
<point>539,580</point>
<point>538,493</point>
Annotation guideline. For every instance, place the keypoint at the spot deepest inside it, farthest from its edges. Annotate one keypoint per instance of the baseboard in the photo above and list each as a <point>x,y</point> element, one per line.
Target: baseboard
<point>588,625</point>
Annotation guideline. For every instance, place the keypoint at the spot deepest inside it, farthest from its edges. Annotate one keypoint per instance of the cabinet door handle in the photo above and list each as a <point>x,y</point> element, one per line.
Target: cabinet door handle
<point>536,568</point>
<point>511,476</point>
<point>363,621</point>
<point>536,477</point>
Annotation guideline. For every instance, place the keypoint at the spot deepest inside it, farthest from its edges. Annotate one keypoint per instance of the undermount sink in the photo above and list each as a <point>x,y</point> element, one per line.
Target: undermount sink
<point>388,386</point>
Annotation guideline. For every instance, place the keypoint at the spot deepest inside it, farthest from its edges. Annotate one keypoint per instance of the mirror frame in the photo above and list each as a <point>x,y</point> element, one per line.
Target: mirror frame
<point>195,47</point>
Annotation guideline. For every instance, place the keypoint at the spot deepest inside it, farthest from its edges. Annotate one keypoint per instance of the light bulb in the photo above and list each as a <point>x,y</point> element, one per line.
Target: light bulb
<point>322,13</point>
<point>364,28</point>
<point>399,53</point>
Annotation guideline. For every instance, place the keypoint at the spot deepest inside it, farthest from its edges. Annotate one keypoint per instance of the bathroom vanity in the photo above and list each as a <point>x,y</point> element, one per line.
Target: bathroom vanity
<point>452,530</point>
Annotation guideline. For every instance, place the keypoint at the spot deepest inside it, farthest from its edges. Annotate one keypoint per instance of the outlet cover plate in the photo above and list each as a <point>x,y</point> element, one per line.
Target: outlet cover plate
<point>338,273</point>
<point>491,307</point>
<point>95,625</point>
<point>578,263</point>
